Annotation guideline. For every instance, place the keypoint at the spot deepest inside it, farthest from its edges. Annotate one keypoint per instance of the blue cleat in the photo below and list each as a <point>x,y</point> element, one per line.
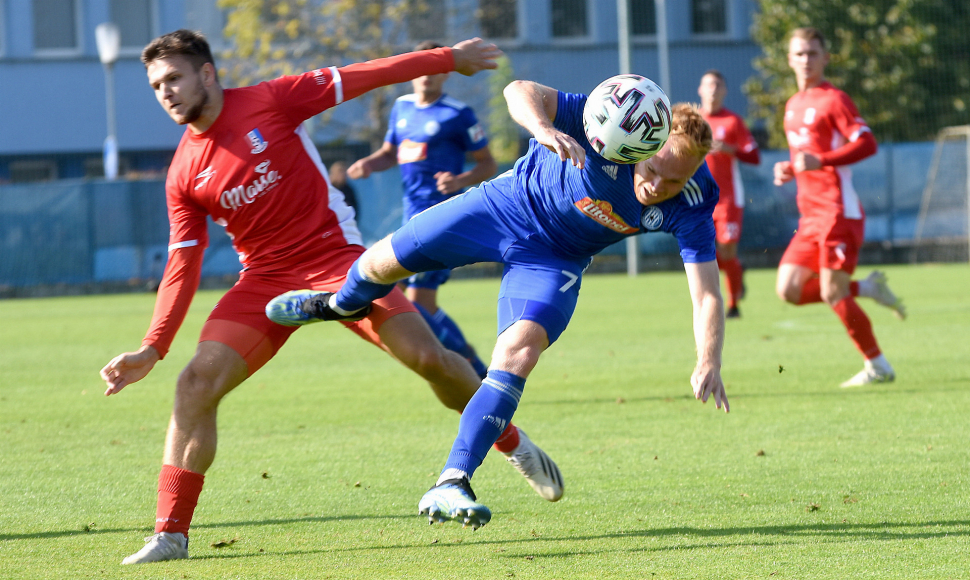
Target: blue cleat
<point>454,500</point>
<point>300,307</point>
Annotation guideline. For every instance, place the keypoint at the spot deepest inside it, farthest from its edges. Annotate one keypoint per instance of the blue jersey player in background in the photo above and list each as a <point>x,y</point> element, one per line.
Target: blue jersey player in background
<point>544,220</point>
<point>428,135</point>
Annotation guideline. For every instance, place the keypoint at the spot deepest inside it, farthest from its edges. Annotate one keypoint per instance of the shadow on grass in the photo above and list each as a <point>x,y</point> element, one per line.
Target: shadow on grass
<point>148,530</point>
<point>871,391</point>
<point>694,538</point>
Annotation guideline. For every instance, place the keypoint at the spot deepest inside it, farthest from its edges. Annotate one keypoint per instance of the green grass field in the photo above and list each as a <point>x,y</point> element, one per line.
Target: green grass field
<point>325,452</point>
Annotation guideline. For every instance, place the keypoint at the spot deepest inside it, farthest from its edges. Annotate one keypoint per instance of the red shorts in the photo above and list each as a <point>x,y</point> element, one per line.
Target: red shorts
<point>239,319</point>
<point>823,243</point>
<point>727,223</point>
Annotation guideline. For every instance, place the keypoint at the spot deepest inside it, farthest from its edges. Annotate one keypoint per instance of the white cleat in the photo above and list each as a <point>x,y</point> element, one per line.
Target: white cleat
<point>539,469</point>
<point>883,295</point>
<point>162,546</point>
<point>871,374</point>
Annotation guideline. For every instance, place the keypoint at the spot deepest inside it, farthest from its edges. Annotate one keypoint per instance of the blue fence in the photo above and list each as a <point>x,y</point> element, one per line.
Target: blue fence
<point>75,232</point>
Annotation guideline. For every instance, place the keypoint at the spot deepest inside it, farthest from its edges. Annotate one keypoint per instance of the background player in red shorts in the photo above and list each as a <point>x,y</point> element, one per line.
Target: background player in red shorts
<point>825,134</point>
<point>245,161</point>
<point>732,143</point>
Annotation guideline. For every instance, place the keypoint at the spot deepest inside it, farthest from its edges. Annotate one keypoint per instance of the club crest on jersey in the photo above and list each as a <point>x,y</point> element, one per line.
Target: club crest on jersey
<point>256,140</point>
<point>602,212</point>
<point>652,218</point>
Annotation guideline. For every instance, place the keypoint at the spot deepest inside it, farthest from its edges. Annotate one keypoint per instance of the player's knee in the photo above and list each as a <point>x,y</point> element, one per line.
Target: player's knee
<point>428,360</point>
<point>196,391</point>
<point>832,295</point>
<point>788,292</point>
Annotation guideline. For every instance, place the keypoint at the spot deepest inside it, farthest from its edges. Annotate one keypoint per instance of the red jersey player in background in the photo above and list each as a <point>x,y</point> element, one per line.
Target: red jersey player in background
<point>245,161</point>
<point>732,143</point>
<point>825,134</point>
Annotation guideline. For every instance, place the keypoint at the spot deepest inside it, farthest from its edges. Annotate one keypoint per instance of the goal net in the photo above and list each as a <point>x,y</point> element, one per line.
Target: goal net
<point>944,216</point>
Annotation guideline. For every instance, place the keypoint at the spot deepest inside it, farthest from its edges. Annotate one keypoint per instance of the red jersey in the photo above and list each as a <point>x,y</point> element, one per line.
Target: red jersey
<point>819,121</point>
<point>729,128</point>
<point>258,174</point>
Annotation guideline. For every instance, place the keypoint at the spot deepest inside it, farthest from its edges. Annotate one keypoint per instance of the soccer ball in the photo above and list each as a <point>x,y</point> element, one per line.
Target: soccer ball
<point>627,118</point>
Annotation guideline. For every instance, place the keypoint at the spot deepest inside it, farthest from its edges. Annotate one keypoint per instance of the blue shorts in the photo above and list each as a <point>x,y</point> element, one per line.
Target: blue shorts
<point>537,284</point>
<point>429,280</point>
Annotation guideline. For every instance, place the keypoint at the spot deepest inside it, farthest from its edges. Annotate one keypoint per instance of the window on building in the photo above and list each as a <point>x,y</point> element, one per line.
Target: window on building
<point>134,19</point>
<point>498,18</point>
<point>55,25</point>
<point>709,16</point>
<point>427,20</point>
<point>32,170</point>
<point>643,17</point>
<point>568,18</point>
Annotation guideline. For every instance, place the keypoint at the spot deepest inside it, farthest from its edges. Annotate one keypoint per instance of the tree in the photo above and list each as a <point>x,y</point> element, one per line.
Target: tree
<point>503,132</point>
<point>906,63</point>
<point>271,38</point>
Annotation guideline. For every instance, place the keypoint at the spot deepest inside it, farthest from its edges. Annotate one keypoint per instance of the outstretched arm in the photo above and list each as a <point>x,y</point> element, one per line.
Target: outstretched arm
<point>485,167</point>
<point>383,158</point>
<point>705,293</point>
<point>534,106</point>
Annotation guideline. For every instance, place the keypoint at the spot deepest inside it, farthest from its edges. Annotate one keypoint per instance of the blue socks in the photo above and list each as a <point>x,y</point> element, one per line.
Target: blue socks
<point>357,292</point>
<point>452,338</point>
<point>486,415</point>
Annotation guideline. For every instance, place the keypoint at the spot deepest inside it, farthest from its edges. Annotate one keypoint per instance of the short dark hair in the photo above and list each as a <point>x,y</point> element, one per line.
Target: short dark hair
<point>715,73</point>
<point>808,34</point>
<point>428,45</point>
<point>188,43</point>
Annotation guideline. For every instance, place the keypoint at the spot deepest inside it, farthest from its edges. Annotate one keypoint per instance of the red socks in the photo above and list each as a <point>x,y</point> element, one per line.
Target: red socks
<point>733,273</point>
<point>178,494</point>
<point>858,325</point>
<point>508,440</point>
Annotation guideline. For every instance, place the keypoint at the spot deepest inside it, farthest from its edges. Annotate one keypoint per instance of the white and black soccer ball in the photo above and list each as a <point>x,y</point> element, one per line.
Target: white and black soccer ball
<point>627,118</point>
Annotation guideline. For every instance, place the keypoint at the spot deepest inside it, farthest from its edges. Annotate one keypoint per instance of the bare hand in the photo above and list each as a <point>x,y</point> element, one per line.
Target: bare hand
<point>359,170</point>
<point>706,381</point>
<point>447,182</point>
<point>783,172</point>
<point>805,162</point>
<point>562,145</point>
<point>472,56</point>
<point>128,368</point>
<point>722,147</point>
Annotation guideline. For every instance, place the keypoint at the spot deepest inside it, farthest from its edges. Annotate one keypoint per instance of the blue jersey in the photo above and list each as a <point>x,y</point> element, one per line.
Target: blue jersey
<point>430,139</point>
<point>577,213</point>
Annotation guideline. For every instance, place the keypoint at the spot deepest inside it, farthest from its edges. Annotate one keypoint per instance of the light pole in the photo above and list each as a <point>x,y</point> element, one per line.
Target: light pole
<point>109,42</point>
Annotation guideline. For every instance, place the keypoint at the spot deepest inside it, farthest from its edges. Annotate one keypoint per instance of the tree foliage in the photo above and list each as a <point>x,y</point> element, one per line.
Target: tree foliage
<point>905,63</point>
<point>503,132</point>
<point>270,38</point>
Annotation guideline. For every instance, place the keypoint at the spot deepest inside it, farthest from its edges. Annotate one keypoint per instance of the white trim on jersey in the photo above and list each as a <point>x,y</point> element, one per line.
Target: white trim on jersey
<point>851,206</point>
<point>858,133</point>
<point>738,183</point>
<point>453,103</point>
<point>338,88</point>
<point>183,244</point>
<point>692,193</point>
<point>337,202</point>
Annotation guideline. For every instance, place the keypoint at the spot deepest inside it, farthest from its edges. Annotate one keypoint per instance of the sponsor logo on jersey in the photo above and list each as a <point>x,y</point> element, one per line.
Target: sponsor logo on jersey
<point>809,117</point>
<point>602,212</point>
<point>476,133</point>
<point>431,128</point>
<point>319,76</point>
<point>610,170</point>
<point>205,175</point>
<point>800,139</point>
<point>411,151</point>
<point>256,140</point>
<point>652,218</point>
<point>402,123</point>
<point>241,195</point>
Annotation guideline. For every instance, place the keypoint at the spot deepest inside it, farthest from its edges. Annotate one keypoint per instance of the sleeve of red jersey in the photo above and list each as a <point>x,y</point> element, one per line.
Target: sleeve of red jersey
<point>860,142</point>
<point>188,238</point>
<point>303,96</point>
<point>746,148</point>
<point>179,283</point>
